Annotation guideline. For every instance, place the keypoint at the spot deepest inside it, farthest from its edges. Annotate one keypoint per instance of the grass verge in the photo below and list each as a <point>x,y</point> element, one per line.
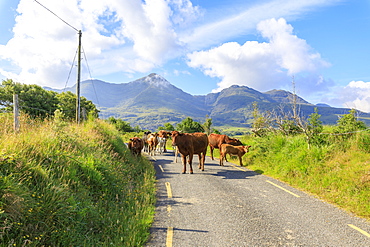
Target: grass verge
<point>72,185</point>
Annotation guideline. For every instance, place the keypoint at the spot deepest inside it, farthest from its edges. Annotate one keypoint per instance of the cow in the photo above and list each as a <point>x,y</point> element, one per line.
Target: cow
<point>152,143</point>
<point>215,141</point>
<point>190,144</point>
<point>135,145</point>
<point>161,148</point>
<point>145,138</point>
<point>233,150</point>
<point>163,136</point>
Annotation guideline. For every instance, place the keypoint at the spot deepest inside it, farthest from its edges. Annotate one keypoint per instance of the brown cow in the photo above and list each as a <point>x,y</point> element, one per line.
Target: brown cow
<point>215,141</point>
<point>190,144</point>
<point>152,143</point>
<point>135,145</point>
<point>233,150</point>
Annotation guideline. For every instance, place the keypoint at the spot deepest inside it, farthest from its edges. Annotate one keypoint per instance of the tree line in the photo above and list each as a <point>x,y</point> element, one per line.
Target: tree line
<point>37,102</point>
<point>187,125</point>
<point>288,121</point>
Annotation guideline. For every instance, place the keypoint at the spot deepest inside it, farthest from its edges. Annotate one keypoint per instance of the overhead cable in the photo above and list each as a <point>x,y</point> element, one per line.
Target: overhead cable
<point>69,74</point>
<point>56,16</point>
<point>92,82</point>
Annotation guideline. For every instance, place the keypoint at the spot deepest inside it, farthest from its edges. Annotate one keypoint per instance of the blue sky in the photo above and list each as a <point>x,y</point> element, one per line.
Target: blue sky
<point>200,46</point>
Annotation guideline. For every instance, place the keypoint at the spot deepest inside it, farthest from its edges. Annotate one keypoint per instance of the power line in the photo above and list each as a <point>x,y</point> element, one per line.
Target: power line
<point>56,16</point>
<point>92,82</point>
<point>69,74</point>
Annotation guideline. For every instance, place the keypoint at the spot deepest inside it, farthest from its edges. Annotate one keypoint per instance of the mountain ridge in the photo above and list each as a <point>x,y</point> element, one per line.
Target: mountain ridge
<point>151,101</point>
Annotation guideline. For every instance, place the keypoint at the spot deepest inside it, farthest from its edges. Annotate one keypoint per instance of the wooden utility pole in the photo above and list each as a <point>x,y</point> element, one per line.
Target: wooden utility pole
<point>16,112</point>
<point>78,102</point>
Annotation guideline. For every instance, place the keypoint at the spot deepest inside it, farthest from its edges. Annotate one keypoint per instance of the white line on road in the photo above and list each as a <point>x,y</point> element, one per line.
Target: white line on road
<point>169,237</point>
<point>239,168</point>
<point>160,167</point>
<point>360,230</point>
<point>282,188</point>
<point>169,191</point>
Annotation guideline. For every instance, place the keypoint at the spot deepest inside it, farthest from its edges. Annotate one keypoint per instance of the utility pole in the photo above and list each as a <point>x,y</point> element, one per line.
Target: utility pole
<point>78,102</point>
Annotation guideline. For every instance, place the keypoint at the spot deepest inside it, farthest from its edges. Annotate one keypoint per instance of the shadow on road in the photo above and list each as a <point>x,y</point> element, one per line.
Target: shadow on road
<point>230,174</point>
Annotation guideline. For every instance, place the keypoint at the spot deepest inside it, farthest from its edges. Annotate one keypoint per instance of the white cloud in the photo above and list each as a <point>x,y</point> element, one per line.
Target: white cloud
<point>357,95</point>
<point>132,36</point>
<point>117,36</point>
<point>262,66</point>
<point>292,53</point>
<point>227,23</point>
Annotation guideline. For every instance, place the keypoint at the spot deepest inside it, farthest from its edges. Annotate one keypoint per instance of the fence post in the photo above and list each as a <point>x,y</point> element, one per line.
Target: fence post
<point>16,112</point>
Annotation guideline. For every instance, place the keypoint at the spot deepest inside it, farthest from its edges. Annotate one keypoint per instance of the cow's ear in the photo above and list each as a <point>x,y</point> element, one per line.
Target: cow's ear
<point>131,139</point>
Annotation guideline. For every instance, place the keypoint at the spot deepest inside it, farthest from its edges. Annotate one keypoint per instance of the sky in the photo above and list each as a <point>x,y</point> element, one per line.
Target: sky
<point>318,48</point>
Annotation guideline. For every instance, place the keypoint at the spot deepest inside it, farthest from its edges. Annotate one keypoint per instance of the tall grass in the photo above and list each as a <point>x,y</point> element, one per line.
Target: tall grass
<point>337,171</point>
<point>72,185</point>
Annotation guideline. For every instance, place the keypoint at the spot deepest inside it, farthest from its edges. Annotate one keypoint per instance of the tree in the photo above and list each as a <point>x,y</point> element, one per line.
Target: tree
<point>189,126</point>
<point>120,124</point>
<point>207,125</point>
<point>67,104</point>
<point>167,126</point>
<point>261,122</point>
<point>38,102</point>
<point>216,131</point>
<point>314,128</point>
<point>33,100</point>
<point>348,123</point>
<point>314,122</point>
<point>7,90</point>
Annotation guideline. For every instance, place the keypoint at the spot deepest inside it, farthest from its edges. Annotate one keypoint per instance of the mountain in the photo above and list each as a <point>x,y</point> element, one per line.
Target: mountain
<point>151,101</point>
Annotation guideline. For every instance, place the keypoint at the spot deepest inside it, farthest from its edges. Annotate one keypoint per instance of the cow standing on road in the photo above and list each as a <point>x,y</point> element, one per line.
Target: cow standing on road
<point>190,144</point>
<point>152,143</point>
<point>145,138</point>
<point>215,141</point>
<point>162,140</point>
<point>135,145</point>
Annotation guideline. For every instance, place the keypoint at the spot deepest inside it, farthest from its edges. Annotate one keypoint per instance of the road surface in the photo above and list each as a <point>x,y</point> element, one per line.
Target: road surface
<point>234,206</point>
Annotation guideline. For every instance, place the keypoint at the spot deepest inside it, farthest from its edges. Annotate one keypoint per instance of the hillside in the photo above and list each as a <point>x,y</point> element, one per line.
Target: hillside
<point>151,101</point>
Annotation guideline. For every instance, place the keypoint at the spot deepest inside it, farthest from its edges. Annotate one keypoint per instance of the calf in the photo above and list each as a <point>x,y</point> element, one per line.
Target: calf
<point>135,145</point>
<point>233,150</point>
<point>215,141</point>
<point>190,144</point>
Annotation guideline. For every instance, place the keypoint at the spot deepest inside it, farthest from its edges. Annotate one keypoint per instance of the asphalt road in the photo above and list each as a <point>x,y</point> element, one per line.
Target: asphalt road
<point>233,206</point>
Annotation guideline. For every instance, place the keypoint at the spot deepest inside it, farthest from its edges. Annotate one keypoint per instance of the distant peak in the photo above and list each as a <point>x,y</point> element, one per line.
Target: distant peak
<point>156,80</point>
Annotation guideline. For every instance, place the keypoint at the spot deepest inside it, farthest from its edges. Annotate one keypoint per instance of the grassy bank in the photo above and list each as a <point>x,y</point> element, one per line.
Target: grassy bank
<point>72,185</point>
<point>337,171</point>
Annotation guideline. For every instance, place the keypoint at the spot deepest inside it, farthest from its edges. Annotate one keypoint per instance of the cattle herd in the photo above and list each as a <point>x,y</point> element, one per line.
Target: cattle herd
<point>188,144</point>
